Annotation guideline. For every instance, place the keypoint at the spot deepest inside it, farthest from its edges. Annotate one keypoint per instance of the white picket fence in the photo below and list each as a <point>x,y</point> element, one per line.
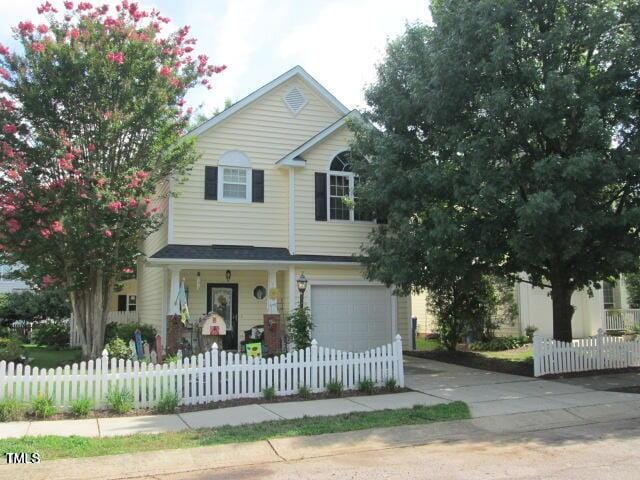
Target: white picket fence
<point>595,353</point>
<point>621,319</point>
<point>209,377</point>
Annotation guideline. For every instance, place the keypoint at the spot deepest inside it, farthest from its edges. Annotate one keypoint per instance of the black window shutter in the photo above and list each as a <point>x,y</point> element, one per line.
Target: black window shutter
<point>257,186</point>
<point>382,219</point>
<point>122,303</point>
<point>321,196</point>
<point>210,183</point>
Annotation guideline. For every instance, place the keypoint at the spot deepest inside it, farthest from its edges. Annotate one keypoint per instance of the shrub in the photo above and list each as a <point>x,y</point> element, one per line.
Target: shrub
<point>120,401</point>
<point>530,331</point>
<point>269,393</point>
<point>125,331</point>
<point>304,392</point>
<point>391,384</point>
<point>43,406</point>
<point>171,359</point>
<point>117,348</point>
<point>80,407</point>
<point>300,326</point>
<point>51,334</point>
<point>168,402</point>
<point>11,350</point>
<point>500,343</point>
<point>367,385</point>
<point>335,388</point>
<point>11,409</point>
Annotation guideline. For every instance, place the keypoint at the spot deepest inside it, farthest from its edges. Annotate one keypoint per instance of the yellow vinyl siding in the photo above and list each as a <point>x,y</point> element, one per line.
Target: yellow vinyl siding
<point>158,239</point>
<point>331,237</point>
<point>129,287</point>
<point>265,131</point>
<point>151,287</point>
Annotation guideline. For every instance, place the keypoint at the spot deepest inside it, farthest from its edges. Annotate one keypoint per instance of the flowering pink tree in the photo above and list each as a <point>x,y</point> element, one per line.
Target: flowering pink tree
<point>91,120</point>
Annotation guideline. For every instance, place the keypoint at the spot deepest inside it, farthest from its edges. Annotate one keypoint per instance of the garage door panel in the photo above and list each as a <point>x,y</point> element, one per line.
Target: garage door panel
<point>353,318</point>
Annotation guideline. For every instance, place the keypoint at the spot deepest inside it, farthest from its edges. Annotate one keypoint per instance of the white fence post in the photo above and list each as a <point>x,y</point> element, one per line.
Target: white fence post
<point>600,349</point>
<point>397,355</point>
<point>314,366</point>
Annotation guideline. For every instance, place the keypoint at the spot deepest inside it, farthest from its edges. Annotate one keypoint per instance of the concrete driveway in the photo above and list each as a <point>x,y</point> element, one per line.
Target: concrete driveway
<point>491,393</point>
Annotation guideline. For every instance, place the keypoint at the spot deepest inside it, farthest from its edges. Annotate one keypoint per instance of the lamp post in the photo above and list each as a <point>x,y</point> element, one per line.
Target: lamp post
<point>302,286</point>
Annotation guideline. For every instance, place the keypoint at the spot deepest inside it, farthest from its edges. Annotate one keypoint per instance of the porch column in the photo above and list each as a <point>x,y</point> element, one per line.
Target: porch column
<point>293,292</point>
<point>174,288</point>
<point>272,303</point>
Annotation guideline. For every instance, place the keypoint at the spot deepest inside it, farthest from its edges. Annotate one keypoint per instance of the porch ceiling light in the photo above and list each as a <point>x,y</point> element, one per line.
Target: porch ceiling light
<point>227,275</point>
<point>302,283</point>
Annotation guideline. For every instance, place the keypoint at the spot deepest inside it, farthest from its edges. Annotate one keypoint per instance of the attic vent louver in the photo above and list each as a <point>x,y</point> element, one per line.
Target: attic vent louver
<point>295,100</point>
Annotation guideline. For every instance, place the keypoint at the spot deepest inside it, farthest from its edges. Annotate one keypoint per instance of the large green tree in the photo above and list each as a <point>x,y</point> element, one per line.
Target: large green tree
<point>91,121</point>
<point>508,142</point>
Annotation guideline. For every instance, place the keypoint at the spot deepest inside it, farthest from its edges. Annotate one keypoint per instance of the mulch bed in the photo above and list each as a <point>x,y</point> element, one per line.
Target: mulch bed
<point>592,373</point>
<point>221,404</point>
<point>474,360</point>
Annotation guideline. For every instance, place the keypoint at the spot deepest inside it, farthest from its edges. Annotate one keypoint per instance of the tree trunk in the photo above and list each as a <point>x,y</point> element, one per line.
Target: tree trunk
<point>562,311</point>
<point>89,306</point>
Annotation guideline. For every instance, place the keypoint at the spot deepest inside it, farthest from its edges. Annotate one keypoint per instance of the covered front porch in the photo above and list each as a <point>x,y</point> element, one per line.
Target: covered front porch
<point>245,296</point>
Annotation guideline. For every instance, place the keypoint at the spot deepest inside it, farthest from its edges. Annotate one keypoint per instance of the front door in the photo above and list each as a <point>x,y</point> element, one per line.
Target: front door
<point>222,298</point>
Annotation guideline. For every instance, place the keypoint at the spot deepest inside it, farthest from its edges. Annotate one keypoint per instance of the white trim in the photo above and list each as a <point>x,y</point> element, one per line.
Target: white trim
<point>290,159</point>
<point>234,158</point>
<point>295,71</point>
<point>353,283</point>
<point>292,288</point>
<point>249,185</point>
<point>170,211</point>
<point>394,313</point>
<point>292,211</point>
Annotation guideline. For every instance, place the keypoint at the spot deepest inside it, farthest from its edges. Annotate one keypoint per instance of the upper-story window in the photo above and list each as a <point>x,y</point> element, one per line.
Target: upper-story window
<point>342,185</point>
<point>234,177</point>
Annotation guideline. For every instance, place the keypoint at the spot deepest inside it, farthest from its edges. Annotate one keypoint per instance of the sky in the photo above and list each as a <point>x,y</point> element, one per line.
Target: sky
<point>338,42</point>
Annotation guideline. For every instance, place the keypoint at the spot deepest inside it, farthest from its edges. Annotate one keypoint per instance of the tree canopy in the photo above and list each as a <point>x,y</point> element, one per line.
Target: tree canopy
<point>92,112</point>
<point>507,142</point>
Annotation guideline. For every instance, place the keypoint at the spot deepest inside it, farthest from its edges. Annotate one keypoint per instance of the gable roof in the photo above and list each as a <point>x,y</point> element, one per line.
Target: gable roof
<point>239,105</point>
<point>292,158</point>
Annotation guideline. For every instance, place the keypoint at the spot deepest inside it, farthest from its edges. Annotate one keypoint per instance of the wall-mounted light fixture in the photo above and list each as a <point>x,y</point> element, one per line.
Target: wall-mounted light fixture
<point>198,281</point>
<point>227,275</point>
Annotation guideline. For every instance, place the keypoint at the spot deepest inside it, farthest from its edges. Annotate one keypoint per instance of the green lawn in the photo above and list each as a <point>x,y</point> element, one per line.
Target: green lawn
<point>522,354</point>
<point>45,357</point>
<point>66,447</point>
<point>430,344</point>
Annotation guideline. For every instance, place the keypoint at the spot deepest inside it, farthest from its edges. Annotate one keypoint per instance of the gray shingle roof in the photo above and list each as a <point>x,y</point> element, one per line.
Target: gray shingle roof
<point>242,252</point>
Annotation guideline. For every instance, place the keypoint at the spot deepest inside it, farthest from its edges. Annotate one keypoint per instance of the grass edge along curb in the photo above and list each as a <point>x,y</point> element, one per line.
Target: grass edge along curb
<point>53,447</point>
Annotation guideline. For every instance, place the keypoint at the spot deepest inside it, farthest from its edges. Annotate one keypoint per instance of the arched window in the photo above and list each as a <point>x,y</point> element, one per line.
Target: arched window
<point>342,185</point>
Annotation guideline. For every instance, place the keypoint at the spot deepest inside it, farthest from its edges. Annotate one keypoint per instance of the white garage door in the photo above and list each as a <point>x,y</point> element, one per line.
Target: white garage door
<point>352,318</point>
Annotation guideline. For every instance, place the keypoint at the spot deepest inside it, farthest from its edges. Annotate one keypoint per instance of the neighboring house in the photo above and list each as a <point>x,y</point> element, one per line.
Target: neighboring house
<point>607,308</point>
<point>261,206</point>
<point>9,284</point>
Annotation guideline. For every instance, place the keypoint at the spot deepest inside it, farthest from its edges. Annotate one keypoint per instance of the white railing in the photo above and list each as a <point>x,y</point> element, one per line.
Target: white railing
<point>209,377</point>
<point>621,319</point>
<point>118,317</point>
<point>594,353</point>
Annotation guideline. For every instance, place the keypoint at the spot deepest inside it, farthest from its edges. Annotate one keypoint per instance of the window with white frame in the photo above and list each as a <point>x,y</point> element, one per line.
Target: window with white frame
<point>342,185</point>
<point>234,177</point>
<point>234,183</point>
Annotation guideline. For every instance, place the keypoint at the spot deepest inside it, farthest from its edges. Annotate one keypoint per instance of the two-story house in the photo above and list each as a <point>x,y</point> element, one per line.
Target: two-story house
<point>262,206</point>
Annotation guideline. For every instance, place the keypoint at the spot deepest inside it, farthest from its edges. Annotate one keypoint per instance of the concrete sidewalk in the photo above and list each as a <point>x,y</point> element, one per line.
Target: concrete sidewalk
<point>572,428</point>
<point>246,414</point>
<point>491,393</point>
